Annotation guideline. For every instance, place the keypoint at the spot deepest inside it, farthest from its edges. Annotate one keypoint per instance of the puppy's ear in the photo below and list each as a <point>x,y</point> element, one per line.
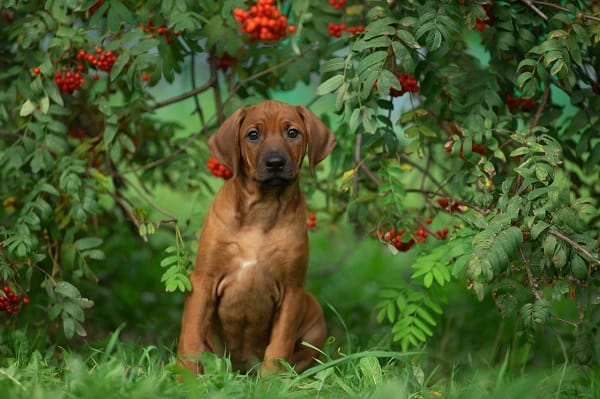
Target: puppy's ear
<point>224,145</point>
<point>320,139</point>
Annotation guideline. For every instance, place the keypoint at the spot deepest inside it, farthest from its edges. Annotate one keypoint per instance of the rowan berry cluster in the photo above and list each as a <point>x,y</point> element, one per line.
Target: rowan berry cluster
<point>9,302</point>
<point>336,30</point>
<point>481,24</point>
<point>478,148</point>
<point>101,59</point>
<point>68,80</point>
<point>77,133</point>
<point>395,238</point>
<point>311,223</point>
<point>448,204</point>
<point>409,85</point>
<point>516,104</point>
<point>224,62</point>
<point>161,31</point>
<point>262,21</point>
<point>218,169</point>
<point>337,4</point>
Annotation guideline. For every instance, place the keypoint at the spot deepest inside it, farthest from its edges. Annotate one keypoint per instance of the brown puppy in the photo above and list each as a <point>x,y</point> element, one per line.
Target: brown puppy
<point>248,298</point>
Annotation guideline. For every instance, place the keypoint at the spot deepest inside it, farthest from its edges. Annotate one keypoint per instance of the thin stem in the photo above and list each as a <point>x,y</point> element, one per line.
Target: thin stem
<point>532,281</point>
<point>536,10</point>
<point>540,109</point>
<point>576,246</point>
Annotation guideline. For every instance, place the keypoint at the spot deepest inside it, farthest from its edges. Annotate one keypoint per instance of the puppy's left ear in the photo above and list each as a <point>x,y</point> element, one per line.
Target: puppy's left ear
<point>320,138</point>
<point>224,145</point>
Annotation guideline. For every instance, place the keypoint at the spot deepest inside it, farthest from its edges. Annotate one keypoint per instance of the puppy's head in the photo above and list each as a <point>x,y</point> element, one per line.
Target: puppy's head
<point>267,142</point>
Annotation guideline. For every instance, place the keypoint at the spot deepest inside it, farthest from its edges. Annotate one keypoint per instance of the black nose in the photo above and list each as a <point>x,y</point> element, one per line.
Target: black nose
<point>275,163</point>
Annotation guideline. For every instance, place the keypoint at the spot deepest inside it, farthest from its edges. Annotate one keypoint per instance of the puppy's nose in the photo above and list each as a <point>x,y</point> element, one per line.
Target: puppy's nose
<point>275,163</point>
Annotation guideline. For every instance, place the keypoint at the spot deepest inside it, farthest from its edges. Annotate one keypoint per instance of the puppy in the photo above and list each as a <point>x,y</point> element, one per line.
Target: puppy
<point>248,298</point>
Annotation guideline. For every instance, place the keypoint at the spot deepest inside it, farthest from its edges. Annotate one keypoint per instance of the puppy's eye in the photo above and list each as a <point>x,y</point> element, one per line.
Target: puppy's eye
<point>253,135</point>
<point>293,133</point>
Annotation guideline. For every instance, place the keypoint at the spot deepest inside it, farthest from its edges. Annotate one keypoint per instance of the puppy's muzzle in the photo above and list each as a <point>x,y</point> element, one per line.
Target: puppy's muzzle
<point>276,169</point>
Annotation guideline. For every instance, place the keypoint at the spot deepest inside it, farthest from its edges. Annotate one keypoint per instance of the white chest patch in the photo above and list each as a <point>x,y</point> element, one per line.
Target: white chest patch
<point>247,263</point>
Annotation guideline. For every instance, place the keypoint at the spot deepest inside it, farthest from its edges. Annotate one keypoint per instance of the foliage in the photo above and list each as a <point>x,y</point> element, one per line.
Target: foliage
<point>503,153</point>
<point>120,370</point>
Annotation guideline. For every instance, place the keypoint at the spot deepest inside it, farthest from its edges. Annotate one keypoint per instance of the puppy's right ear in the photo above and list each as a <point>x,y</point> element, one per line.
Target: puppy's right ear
<point>224,145</point>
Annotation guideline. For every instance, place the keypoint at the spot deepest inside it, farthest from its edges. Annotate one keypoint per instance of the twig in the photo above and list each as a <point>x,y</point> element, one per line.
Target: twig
<point>369,174</point>
<point>357,161</point>
<point>125,207</point>
<point>532,281</point>
<point>561,8</point>
<point>536,10</point>
<point>207,85</point>
<point>148,199</point>
<point>575,245</point>
<point>540,109</point>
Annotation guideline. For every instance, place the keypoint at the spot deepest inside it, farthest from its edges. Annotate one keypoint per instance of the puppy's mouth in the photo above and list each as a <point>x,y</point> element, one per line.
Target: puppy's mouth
<point>276,181</point>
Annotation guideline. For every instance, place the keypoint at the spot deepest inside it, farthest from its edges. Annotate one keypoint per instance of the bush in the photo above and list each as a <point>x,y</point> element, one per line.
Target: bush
<point>466,131</point>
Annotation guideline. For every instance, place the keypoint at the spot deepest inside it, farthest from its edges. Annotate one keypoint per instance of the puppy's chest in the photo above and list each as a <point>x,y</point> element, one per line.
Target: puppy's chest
<point>255,261</point>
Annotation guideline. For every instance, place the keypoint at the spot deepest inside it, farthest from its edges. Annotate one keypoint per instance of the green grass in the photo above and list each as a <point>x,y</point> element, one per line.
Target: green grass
<point>116,369</point>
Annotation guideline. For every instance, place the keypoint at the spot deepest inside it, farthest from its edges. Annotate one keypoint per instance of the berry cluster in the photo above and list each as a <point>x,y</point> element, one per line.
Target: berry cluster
<point>224,62</point>
<point>481,24</point>
<point>448,204</point>
<point>68,80</point>
<point>311,223</point>
<point>218,169</point>
<point>395,238</point>
<point>161,31</point>
<point>77,133</point>
<point>478,148</point>
<point>335,30</point>
<point>263,21</point>
<point>9,302</point>
<point>103,60</point>
<point>337,4</point>
<point>516,104</point>
<point>409,85</point>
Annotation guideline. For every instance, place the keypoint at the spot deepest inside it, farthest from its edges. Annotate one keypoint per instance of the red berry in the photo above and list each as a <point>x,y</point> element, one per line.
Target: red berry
<point>25,301</point>
<point>428,220</point>
<point>145,77</point>
<point>443,202</point>
<point>37,70</point>
<point>312,216</point>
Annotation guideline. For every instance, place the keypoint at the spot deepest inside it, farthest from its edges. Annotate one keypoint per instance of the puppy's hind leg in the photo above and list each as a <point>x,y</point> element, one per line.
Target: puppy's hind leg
<point>313,331</point>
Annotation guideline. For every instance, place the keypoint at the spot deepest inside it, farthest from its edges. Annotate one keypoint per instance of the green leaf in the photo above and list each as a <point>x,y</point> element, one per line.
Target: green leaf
<point>67,290</point>
<point>332,65</point>
<point>27,108</point>
<point>538,228</point>
<point>87,243</point>
<point>68,327</point>
<point>330,85</point>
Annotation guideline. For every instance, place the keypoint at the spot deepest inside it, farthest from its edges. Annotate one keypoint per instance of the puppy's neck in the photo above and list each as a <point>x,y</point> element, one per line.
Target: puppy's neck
<point>265,205</point>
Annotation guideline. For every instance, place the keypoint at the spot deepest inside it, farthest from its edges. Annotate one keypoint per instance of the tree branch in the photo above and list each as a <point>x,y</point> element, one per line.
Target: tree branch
<point>540,109</point>
<point>536,10</point>
<point>561,8</point>
<point>576,246</point>
<point>200,89</point>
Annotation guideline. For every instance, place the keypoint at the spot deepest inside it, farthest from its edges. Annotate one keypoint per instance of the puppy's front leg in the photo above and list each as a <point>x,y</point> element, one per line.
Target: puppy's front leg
<point>284,331</point>
<point>198,311</point>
